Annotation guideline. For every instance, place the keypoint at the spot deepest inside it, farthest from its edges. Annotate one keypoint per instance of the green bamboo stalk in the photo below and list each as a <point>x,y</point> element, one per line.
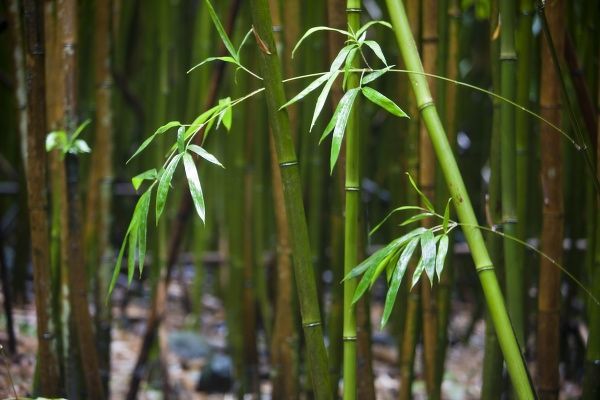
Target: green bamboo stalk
<point>513,269</point>
<point>35,167</point>
<point>280,126</point>
<point>492,386</point>
<point>351,215</point>
<point>462,203</point>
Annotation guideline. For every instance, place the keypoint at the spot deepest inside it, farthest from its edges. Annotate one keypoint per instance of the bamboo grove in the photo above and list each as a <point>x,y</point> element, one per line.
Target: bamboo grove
<point>353,189</point>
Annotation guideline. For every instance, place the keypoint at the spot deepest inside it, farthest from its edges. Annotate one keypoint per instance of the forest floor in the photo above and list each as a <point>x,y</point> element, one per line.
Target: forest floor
<point>191,350</point>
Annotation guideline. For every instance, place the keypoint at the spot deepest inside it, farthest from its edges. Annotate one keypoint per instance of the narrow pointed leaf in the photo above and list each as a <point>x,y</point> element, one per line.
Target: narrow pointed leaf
<point>417,274</point>
<point>426,201</point>
<point>371,23</point>
<point>137,180</point>
<point>149,140</point>
<point>181,139</point>
<point>340,126</point>
<point>428,251</point>
<point>244,40</point>
<point>201,119</point>
<point>329,128</point>
<point>194,183</point>
<point>204,154</point>
<point>226,59</point>
<point>163,185</point>
<point>375,74</point>
<point>317,29</point>
<point>374,46</point>
<point>446,216</point>
<point>117,269</point>
<point>79,146</point>
<point>395,210</point>
<point>396,280</point>
<point>133,238</point>
<point>78,131</point>
<point>441,256</point>
<point>364,284</point>
<point>322,98</point>
<point>144,204</point>
<point>221,30</point>
<point>383,102</point>
<point>416,218</point>
<point>312,86</point>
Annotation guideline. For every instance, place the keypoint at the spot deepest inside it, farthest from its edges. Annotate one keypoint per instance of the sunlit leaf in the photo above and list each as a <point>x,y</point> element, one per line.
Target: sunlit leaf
<point>322,98</point>
<point>417,274</point>
<point>221,30</point>
<point>149,140</point>
<point>194,184</point>
<point>201,119</point>
<point>313,85</point>
<point>329,128</point>
<point>441,256</point>
<point>79,146</point>
<point>317,29</point>
<point>225,116</point>
<point>396,280</point>
<point>374,46</point>
<point>163,185</point>
<point>428,251</point>
<point>340,126</point>
<point>226,59</point>
<point>383,102</point>
<point>416,218</point>
<point>370,77</point>
<point>426,201</point>
<point>56,140</point>
<point>395,210</point>
<point>204,154</point>
<point>144,204</point>
<point>146,175</point>
<point>371,23</point>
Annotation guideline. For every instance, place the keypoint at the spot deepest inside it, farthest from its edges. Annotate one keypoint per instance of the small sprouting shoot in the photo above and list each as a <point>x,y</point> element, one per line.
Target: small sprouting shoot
<point>394,258</point>
<point>342,64</point>
<point>65,143</point>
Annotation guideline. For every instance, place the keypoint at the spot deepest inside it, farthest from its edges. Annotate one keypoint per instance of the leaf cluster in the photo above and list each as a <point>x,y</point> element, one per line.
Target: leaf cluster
<point>65,143</point>
<point>394,258</point>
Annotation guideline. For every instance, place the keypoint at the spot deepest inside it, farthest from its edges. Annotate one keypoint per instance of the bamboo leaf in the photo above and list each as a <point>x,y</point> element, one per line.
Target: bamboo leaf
<point>370,24</point>
<point>149,140</point>
<point>317,29</point>
<point>375,74</point>
<point>117,269</point>
<point>428,252</point>
<point>340,126</point>
<point>395,210</point>
<point>204,154</point>
<point>374,46</point>
<point>383,102</point>
<point>364,284</point>
<point>78,131</point>
<point>396,280</point>
<point>201,119</point>
<point>133,239</point>
<point>446,216</point>
<point>181,139</point>
<point>417,274</point>
<point>137,180</point>
<point>226,59</point>
<point>163,185</point>
<point>348,65</point>
<point>79,146</point>
<point>56,140</point>
<point>329,128</point>
<point>225,116</point>
<point>194,183</point>
<point>426,201</point>
<point>322,98</point>
<point>441,256</point>
<point>313,85</point>
<point>244,40</point>
<point>416,218</point>
<point>221,30</point>
<point>166,127</point>
<point>144,204</point>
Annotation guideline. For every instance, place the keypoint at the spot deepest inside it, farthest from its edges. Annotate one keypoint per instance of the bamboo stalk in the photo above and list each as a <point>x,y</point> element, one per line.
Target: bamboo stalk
<point>548,339</point>
<point>462,203</point>
<point>280,127</point>
<point>35,167</point>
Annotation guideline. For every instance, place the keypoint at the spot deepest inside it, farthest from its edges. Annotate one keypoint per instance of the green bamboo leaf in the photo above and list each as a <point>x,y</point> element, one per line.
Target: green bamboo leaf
<point>225,116</point>
<point>317,29</point>
<point>226,59</point>
<point>417,274</point>
<point>204,154</point>
<point>322,98</point>
<point>386,261</point>
<point>221,30</point>
<point>391,266</point>
<point>382,101</point>
<point>79,146</point>
<point>117,269</point>
<point>446,216</point>
<point>426,201</point>
<point>194,183</point>
<point>329,128</point>
<point>133,239</point>
<point>380,254</point>
<point>374,46</point>
<point>428,252</point>
<point>348,65</point>
<point>56,140</point>
<point>441,256</point>
<point>313,85</point>
<point>364,284</point>
<point>180,139</point>
<point>370,24</point>
<point>146,175</point>
<point>395,210</point>
<point>340,126</point>
<point>375,74</point>
<point>396,280</point>
<point>144,204</point>
<point>149,140</point>
<point>244,40</point>
<point>416,218</point>
<point>201,119</point>
<point>78,131</point>
<point>163,185</point>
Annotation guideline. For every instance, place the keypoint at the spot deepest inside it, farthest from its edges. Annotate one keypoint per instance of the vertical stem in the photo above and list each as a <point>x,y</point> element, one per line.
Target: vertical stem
<point>552,213</point>
<point>462,203</point>
<point>35,167</point>
<point>286,157</point>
